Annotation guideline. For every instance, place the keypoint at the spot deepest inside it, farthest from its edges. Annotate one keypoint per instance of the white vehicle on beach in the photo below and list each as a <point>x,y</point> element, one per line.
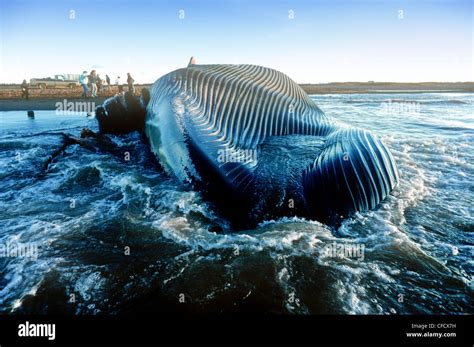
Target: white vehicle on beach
<point>69,81</point>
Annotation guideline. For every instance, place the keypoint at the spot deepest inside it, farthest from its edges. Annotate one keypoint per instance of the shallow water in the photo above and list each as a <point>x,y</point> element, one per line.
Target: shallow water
<point>110,235</point>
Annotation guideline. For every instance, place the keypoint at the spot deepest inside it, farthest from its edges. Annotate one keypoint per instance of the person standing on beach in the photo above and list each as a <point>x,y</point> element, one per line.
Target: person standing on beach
<point>130,80</point>
<point>84,81</point>
<point>93,81</point>
<point>118,84</point>
<point>107,80</point>
<point>99,83</point>
<point>24,90</point>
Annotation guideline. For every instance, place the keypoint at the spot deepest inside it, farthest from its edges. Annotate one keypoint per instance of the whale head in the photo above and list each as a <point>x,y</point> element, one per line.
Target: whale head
<point>123,113</point>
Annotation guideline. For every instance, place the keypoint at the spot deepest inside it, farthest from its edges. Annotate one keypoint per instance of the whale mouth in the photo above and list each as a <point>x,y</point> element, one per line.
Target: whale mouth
<point>354,173</point>
<point>123,113</point>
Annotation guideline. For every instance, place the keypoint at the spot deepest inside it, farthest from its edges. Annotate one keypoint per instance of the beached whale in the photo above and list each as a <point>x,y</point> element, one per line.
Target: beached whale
<point>254,142</point>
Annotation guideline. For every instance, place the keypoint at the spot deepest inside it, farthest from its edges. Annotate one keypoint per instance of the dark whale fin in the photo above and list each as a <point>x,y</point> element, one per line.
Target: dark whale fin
<point>354,172</point>
<point>123,113</point>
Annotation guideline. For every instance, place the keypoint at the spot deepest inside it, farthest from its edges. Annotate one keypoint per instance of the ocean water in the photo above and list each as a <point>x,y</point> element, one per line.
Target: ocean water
<point>96,233</point>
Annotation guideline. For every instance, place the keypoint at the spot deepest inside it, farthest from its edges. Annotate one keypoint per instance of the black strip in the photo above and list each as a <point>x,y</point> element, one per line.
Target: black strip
<point>259,329</point>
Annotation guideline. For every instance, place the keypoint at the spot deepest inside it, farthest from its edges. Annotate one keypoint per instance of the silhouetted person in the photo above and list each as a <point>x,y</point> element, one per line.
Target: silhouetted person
<point>99,83</point>
<point>24,90</point>
<point>93,82</point>
<point>130,80</point>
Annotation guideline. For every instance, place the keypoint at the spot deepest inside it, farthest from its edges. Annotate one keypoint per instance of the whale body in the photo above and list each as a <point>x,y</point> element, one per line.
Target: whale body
<point>256,144</point>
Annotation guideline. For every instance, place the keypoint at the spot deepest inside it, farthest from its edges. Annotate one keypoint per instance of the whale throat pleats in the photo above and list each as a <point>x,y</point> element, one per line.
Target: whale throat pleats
<point>225,111</point>
<point>218,128</point>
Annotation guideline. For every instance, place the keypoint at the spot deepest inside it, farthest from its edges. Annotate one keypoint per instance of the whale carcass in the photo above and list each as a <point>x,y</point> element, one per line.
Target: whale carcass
<point>253,141</point>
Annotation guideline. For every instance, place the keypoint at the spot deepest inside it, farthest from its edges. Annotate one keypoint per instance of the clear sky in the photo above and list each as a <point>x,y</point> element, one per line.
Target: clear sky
<point>311,41</point>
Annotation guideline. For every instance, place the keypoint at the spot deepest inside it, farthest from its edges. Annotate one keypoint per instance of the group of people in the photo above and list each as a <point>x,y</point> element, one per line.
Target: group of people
<point>96,84</point>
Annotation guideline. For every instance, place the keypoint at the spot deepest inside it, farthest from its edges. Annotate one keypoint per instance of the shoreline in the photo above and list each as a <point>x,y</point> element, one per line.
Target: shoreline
<point>46,104</point>
<point>46,100</point>
<point>388,87</point>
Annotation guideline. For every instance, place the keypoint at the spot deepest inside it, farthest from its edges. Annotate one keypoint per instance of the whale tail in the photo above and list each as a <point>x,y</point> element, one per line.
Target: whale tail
<point>123,113</point>
<point>354,172</point>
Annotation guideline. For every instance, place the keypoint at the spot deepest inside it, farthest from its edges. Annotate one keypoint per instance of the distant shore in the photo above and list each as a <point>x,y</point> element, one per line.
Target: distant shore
<point>47,99</point>
<point>388,87</point>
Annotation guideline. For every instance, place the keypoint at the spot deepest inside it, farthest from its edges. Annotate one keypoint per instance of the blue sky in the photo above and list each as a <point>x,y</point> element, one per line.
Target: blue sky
<point>325,41</point>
